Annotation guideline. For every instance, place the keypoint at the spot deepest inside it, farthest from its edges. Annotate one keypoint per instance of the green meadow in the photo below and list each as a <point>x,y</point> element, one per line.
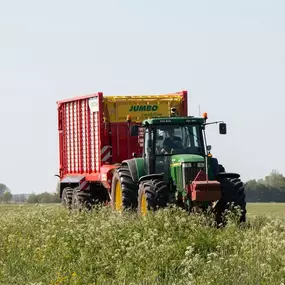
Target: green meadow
<point>46,244</point>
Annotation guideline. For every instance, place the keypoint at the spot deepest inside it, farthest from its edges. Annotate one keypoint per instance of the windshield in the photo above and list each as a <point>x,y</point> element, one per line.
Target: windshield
<point>174,139</point>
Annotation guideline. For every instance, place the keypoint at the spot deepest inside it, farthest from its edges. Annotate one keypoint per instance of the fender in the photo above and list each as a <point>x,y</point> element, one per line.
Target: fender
<point>151,176</point>
<point>214,167</point>
<point>136,167</point>
<point>227,175</point>
<point>106,173</point>
<point>71,181</point>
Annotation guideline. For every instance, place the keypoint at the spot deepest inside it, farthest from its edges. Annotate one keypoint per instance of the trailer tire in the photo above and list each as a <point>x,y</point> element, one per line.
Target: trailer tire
<point>66,197</point>
<point>81,200</point>
<point>153,195</point>
<point>124,191</point>
<point>233,194</point>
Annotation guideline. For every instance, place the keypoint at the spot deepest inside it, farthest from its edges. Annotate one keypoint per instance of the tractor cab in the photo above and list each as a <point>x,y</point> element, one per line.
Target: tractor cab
<point>164,143</point>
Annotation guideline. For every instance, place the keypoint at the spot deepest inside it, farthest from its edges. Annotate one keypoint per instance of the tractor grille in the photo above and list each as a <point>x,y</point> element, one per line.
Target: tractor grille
<point>190,171</point>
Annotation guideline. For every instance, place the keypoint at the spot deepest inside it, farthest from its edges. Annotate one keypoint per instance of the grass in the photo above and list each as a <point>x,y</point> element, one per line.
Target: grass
<point>264,209</point>
<point>49,245</point>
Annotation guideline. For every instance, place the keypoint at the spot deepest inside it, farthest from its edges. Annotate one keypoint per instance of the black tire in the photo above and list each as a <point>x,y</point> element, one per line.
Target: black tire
<point>233,194</point>
<point>66,197</point>
<point>129,189</point>
<point>156,193</point>
<point>81,200</point>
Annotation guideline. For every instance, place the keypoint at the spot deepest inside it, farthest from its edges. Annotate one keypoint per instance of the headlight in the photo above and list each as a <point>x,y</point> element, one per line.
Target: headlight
<point>189,164</point>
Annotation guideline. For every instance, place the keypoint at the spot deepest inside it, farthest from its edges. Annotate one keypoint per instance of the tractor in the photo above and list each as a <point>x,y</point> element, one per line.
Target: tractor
<point>176,168</point>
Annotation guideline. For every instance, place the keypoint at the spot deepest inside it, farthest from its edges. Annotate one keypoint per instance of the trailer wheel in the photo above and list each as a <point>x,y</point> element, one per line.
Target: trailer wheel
<point>80,200</point>
<point>66,197</point>
<point>233,195</point>
<point>124,192</point>
<point>153,195</point>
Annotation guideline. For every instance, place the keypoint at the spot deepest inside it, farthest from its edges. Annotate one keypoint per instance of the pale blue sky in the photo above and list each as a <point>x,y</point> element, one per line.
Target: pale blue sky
<point>229,55</point>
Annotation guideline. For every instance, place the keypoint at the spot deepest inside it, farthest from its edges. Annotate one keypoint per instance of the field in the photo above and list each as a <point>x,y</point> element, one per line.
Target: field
<point>45,244</point>
<point>263,209</point>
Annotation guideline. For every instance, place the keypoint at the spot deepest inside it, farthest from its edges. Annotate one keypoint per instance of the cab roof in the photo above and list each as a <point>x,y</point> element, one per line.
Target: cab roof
<point>174,120</point>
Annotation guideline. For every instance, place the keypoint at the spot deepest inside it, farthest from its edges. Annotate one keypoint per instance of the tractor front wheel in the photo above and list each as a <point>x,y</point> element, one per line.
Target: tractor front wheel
<point>153,194</point>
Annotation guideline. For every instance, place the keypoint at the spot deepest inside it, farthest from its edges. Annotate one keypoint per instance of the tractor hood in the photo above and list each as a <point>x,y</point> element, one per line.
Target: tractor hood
<point>180,158</point>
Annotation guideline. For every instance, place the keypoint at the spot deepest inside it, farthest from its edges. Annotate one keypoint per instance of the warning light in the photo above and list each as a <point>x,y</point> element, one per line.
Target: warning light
<point>205,116</point>
<point>129,118</point>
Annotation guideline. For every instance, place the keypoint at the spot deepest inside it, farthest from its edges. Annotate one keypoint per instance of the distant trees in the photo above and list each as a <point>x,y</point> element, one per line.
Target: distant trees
<point>20,198</point>
<point>269,189</point>
<point>6,197</point>
<point>3,188</point>
<point>33,198</point>
<point>5,194</point>
<point>43,198</point>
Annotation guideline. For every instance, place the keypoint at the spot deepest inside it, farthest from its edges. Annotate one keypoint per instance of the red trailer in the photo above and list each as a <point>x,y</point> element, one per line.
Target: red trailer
<point>94,138</point>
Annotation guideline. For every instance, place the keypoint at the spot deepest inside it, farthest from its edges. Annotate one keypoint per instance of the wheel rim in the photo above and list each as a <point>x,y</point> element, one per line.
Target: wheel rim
<point>118,196</point>
<point>143,205</point>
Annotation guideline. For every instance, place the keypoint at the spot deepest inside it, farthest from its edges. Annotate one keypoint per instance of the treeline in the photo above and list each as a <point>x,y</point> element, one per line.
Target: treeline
<point>7,197</point>
<point>269,189</point>
<point>43,198</point>
<point>30,198</point>
<point>5,194</point>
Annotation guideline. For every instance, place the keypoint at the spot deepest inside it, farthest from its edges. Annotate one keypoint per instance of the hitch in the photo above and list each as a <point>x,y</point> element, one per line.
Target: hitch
<point>203,190</point>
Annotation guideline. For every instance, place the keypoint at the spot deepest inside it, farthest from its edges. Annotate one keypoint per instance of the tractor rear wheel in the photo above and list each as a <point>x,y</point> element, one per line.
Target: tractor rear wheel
<point>233,194</point>
<point>66,197</point>
<point>153,194</point>
<point>124,192</point>
<point>80,199</point>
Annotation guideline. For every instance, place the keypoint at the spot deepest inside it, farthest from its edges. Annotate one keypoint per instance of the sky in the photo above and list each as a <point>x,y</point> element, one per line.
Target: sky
<point>229,55</point>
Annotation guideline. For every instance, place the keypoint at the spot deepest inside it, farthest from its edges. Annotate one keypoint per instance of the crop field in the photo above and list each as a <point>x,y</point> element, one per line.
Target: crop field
<point>46,244</point>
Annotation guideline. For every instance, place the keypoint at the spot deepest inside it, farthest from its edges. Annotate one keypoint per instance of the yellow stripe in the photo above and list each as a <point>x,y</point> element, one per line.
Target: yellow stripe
<point>175,164</point>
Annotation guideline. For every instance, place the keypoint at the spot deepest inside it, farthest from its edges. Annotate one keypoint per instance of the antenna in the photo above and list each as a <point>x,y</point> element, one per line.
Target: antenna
<point>199,111</point>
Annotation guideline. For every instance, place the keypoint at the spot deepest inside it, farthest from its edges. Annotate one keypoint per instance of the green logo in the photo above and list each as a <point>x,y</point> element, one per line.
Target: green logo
<point>144,108</point>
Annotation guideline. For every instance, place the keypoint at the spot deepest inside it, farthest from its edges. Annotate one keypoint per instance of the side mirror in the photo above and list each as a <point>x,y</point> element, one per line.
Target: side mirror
<point>134,131</point>
<point>223,128</point>
<point>209,147</point>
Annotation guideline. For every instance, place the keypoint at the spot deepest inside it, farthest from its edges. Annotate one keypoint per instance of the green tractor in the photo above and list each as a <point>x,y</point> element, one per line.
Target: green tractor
<point>176,168</point>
